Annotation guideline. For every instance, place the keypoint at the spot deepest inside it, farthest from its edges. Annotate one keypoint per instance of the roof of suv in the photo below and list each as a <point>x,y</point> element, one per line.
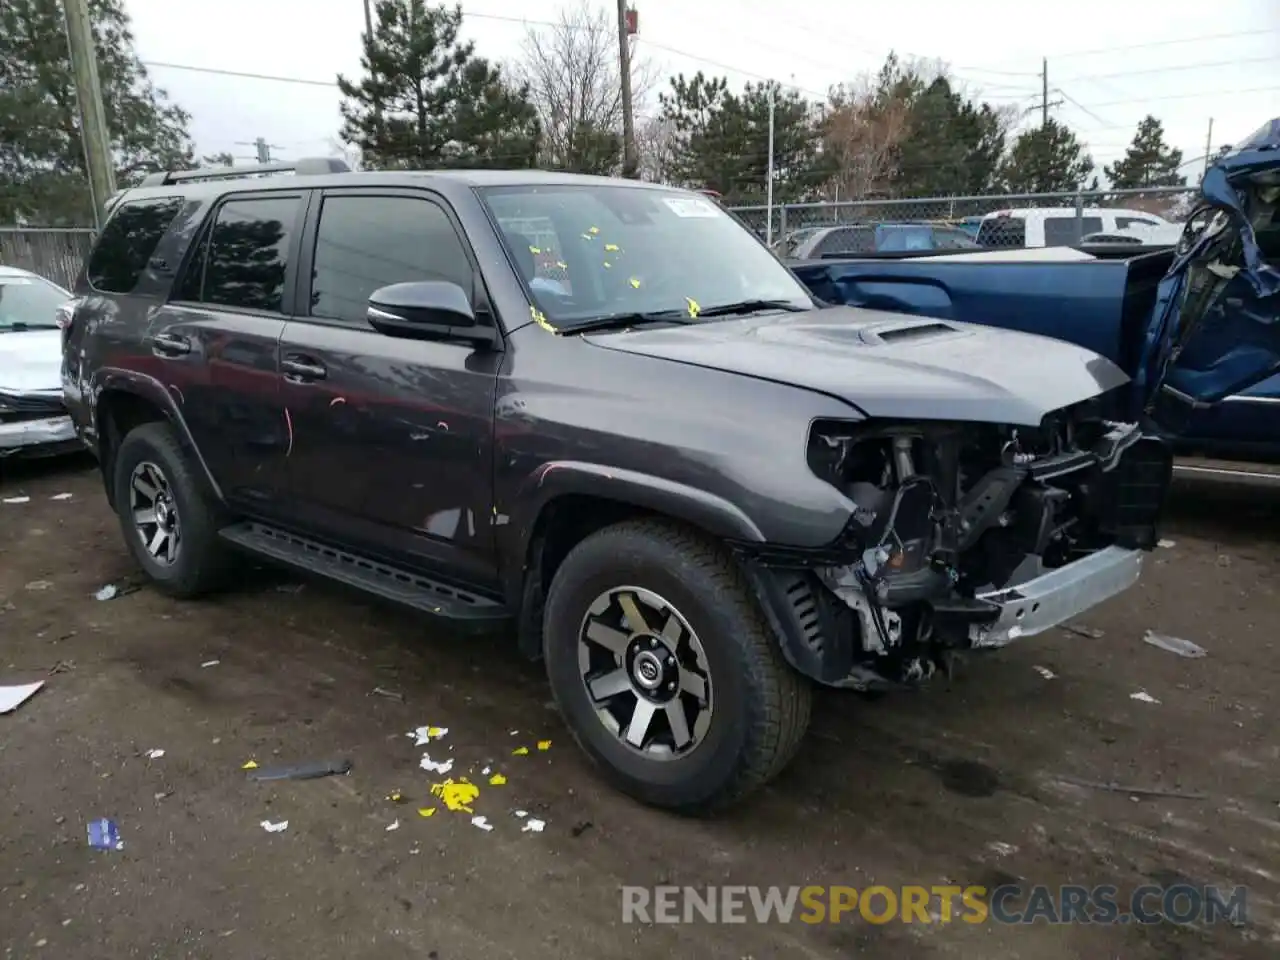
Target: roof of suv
<point>443,180</point>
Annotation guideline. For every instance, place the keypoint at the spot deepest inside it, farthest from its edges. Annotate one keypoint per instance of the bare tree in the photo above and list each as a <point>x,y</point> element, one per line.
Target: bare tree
<point>657,140</point>
<point>861,135</point>
<point>574,80</point>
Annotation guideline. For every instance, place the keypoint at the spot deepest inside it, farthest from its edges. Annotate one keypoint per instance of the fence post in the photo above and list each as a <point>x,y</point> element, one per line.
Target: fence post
<point>782,222</point>
<point>1079,215</point>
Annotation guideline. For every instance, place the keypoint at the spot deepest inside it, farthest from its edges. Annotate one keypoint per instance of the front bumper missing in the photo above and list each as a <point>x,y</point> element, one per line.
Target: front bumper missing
<point>34,437</point>
<point>1055,597</point>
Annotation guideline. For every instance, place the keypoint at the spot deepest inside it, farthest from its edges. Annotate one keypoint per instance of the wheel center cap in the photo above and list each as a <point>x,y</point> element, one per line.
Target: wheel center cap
<point>647,670</point>
<point>163,515</point>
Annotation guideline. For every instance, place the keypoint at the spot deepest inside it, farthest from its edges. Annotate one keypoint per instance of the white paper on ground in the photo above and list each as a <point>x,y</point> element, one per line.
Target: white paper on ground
<point>11,698</point>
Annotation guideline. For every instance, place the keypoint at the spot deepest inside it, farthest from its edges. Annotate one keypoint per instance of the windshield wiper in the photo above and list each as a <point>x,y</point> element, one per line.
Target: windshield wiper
<point>749,306</point>
<point>633,319</point>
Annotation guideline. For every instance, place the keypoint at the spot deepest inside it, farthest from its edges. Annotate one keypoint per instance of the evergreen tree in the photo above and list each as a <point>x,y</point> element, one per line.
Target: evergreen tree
<point>1047,159</point>
<point>42,166</point>
<point>952,148</point>
<point>723,140</point>
<point>426,100</point>
<point>1149,161</point>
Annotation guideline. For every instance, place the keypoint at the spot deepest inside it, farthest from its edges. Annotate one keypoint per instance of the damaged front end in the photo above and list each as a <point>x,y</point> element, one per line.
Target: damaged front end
<point>962,536</point>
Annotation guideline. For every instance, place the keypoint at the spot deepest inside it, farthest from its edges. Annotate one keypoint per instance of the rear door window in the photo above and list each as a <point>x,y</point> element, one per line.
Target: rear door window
<point>1064,231</point>
<point>846,241</point>
<point>243,259</point>
<point>1002,232</point>
<point>127,243</point>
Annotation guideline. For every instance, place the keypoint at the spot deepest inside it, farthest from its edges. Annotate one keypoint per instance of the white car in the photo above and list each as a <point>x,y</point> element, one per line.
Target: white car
<point>33,419</point>
<point>1058,226</point>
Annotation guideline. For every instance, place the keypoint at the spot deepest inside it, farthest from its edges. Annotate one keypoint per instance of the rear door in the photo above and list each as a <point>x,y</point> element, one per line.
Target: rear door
<point>218,338</point>
<point>1215,332</point>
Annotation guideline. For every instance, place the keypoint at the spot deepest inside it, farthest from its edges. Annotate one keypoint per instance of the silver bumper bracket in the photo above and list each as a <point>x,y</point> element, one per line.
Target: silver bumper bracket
<point>1055,597</point>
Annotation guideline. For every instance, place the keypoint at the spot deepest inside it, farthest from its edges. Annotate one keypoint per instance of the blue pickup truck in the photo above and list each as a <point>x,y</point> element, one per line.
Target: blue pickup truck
<point>1196,327</point>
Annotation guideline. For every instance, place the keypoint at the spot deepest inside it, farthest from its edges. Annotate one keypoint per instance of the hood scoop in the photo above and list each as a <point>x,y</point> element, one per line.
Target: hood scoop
<point>900,333</point>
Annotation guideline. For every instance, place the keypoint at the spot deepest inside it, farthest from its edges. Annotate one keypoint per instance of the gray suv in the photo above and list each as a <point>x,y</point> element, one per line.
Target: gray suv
<point>603,414</point>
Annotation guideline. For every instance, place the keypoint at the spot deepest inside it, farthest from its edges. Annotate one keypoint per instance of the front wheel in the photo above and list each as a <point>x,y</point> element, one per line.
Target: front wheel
<point>664,668</point>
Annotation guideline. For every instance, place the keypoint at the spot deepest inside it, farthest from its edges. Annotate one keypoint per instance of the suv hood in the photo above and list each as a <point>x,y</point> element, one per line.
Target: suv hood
<point>890,365</point>
<point>31,361</point>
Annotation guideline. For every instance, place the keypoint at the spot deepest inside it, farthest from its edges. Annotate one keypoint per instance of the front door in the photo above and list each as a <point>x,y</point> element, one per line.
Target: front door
<point>391,438</point>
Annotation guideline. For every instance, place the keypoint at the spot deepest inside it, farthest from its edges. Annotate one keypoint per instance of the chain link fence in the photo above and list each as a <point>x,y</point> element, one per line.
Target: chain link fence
<point>998,220</point>
<point>811,229</point>
<point>54,253</point>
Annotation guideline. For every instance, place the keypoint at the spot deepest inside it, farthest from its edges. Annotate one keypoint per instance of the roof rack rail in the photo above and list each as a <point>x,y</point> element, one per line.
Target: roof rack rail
<point>305,167</point>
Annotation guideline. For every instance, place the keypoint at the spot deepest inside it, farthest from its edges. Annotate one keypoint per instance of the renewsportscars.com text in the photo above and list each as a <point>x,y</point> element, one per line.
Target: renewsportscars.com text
<point>1012,904</point>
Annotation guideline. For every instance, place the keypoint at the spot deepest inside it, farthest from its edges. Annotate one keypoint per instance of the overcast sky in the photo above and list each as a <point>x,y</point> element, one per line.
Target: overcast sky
<point>1113,60</point>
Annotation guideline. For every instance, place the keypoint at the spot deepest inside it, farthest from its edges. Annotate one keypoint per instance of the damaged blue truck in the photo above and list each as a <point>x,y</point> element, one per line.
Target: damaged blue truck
<point>602,414</point>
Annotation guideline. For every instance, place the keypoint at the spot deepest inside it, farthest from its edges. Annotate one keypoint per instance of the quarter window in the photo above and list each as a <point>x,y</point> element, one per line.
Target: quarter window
<point>364,243</point>
<point>127,243</point>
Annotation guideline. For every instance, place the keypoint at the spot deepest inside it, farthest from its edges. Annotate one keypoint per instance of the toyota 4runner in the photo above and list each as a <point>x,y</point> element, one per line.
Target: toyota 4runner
<point>601,411</point>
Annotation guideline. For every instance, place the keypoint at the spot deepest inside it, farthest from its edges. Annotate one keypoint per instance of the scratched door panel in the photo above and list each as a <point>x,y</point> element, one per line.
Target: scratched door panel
<point>393,445</point>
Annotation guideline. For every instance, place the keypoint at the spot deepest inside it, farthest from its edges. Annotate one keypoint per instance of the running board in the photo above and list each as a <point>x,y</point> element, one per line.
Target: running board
<point>370,576</point>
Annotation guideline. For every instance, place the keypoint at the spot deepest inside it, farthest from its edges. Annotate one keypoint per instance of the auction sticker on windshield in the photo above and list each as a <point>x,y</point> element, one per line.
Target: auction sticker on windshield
<point>691,207</point>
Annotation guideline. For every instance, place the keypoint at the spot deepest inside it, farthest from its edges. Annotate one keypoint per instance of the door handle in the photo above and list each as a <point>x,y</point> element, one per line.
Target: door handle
<point>170,345</point>
<point>302,369</point>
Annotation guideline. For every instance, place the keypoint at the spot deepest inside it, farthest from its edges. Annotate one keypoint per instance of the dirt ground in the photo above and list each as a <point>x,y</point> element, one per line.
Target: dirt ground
<point>967,783</point>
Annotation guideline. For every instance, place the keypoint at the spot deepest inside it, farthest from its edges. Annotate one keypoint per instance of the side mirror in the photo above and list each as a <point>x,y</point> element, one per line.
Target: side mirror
<point>425,310</point>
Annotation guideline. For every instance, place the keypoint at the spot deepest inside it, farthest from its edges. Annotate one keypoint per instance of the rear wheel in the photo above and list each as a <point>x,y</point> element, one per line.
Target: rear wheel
<point>169,518</point>
<point>665,670</point>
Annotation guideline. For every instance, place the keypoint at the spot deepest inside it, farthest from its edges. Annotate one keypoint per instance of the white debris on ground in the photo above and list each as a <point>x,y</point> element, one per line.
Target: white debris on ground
<point>1143,697</point>
<point>533,825</point>
<point>61,496</point>
<point>1044,672</point>
<point>154,754</point>
<point>424,735</point>
<point>432,766</point>
<point>270,827</point>
<point>14,696</point>
<point>481,822</point>
<point>1001,849</point>
<point>108,592</point>
<point>17,500</point>
<point>210,663</point>
<point>1166,543</point>
<point>1183,648</point>
<point>520,813</point>
<point>395,825</point>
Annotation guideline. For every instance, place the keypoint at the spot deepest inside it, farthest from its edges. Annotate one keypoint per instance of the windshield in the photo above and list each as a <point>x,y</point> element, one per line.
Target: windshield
<point>29,303</point>
<point>587,252</point>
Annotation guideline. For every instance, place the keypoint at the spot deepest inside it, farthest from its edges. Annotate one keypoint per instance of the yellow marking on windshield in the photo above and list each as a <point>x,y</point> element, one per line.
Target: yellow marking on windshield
<point>541,320</point>
<point>611,247</point>
<point>634,283</point>
<point>693,306</point>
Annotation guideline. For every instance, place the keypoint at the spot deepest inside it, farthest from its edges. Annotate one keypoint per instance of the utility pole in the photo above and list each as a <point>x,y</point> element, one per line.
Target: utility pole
<point>768,189</point>
<point>261,147</point>
<point>1044,91</point>
<point>1208,148</point>
<point>93,118</point>
<point>630,160</point>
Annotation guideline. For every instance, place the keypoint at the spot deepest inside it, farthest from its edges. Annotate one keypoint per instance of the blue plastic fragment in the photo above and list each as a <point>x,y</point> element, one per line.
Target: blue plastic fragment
<point>104,835</point>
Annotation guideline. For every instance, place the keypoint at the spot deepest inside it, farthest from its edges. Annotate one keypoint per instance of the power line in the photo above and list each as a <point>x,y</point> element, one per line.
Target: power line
<point>1174,69</point>
<point>1164,43</point>
<point>238,73</point>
